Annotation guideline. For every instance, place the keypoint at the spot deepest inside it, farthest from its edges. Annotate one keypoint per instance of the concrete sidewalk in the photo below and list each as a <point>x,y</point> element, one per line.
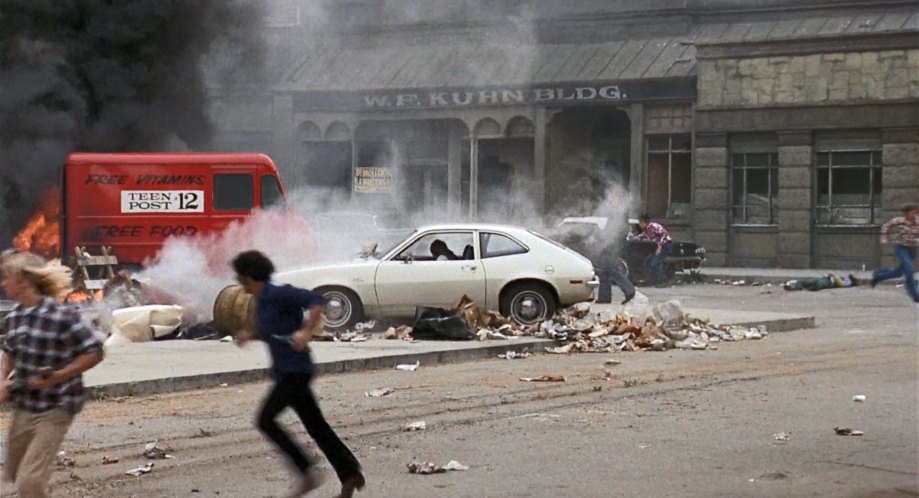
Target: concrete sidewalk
<point>166,366</point>
<point>782,275</point>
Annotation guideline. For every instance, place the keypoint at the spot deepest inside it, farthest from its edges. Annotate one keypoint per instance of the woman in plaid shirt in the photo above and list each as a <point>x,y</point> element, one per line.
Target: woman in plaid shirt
<point>45,351</point>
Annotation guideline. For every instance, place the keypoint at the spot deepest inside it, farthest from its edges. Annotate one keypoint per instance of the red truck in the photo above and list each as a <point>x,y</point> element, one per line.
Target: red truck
<point>133,202</point>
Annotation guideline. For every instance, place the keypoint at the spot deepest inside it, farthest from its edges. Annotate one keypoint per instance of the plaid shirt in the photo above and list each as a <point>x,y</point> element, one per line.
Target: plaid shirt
<point>907,231</point>
<point>656,233</point>
<point>50,334</point>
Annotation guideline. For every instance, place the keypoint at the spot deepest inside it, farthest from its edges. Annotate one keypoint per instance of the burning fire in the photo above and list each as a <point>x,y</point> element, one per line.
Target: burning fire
<point>83,296</point>
<point>42,234</point>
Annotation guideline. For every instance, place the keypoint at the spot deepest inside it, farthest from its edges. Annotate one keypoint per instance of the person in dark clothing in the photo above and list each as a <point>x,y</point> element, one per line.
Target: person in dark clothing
<point>440,251</point>
<point>279,322</point>
<point>608,270</point>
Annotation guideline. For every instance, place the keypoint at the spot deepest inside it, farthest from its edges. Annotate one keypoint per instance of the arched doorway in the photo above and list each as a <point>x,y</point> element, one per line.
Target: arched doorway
<point>589,157</point>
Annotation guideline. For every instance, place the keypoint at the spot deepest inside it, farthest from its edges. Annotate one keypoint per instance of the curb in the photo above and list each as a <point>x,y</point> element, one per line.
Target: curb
<point>210,380</point>
<point>780,279</point>
<point>202,381</point>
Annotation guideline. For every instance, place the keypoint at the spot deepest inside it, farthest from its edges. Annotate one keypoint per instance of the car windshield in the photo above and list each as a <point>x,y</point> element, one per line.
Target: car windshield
<point>386,248</point>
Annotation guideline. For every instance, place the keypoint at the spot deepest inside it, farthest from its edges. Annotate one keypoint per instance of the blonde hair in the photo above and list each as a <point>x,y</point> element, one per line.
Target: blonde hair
<point>49,279</point>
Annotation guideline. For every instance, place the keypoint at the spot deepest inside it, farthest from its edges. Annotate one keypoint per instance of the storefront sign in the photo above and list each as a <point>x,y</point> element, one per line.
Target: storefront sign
<point>373,180</point>
<point>549,94</point>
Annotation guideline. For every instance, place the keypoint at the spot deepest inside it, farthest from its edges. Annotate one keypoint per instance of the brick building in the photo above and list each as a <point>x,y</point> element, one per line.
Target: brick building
<point>774,132</point>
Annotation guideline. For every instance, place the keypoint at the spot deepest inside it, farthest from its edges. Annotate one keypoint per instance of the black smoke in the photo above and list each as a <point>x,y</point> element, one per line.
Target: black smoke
<point>110,75</point>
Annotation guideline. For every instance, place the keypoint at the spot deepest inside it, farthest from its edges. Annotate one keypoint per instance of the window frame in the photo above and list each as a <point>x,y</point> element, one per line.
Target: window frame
<point>772,169</point>
<point>276,184</point>
<point>874,198</point>
<point>670,152</point>
<point>399,254</point>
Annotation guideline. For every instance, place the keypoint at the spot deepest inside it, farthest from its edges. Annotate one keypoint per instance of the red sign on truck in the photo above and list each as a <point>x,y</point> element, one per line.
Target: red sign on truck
<point>134,202</point>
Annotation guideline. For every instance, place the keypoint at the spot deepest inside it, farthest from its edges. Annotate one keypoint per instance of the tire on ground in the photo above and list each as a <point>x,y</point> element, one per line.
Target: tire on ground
<point>519,300</point>
<point>343,308</point>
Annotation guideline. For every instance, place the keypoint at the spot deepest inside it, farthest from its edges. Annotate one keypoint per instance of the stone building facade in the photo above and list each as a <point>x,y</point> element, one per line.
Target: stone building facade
<point>773,132</point>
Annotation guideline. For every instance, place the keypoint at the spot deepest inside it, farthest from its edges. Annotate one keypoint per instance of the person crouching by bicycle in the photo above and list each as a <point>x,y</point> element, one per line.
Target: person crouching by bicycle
<point>655,264</point>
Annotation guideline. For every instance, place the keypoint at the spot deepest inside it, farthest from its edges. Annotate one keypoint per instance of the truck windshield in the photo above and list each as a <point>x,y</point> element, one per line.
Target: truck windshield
<point>271,192</point>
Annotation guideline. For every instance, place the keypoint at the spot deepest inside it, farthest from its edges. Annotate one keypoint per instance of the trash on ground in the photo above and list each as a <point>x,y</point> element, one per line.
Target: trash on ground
<point>64,461</point>
<point>781,436</point>
<point>415,426</point>
<point>441,324</point>
<point>859,398</point>
<point>512,355</point>
<point>352,337</point>
<point>226,338</point>
<point>425,468</point>
<point>106,460</point>
<point>144,323</point>
<point>408,367</point>
<point>612,362</point>
<point>544,378</point>
<point>845,431</point>
<point>379,393</point>
<point>153,452</point>
<point>139,471</point>
<point>368,325</point>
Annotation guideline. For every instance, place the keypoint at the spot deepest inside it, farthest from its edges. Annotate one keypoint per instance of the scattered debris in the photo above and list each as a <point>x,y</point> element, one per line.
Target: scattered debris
<point>109,460</point>
<point>781,436</point>
<point>511,355</point>
<point>153,452</point>
<point>415,426</point>
<point>379,393</point>
<point>640,327</point>
<point>368,325</point>
<point>425,468</point>
<point>352,337</point>
<point>408,367</point>
<point>224,385</point>
<point>226,338</point>
<point>139,471</point>
<point>544,378</point>
<point>859,398</point>
<point>845,431</point>
<point>64,461</point>
<point>612,362</point>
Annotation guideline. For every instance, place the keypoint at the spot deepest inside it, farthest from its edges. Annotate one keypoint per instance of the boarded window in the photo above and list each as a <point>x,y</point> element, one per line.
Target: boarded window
<point>849,172</point>
<point>669,175</point>
<point>754,179</point>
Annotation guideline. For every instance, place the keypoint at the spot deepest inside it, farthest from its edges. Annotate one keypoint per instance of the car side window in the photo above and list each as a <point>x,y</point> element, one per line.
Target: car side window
<point>495,245</point>
<point>233,192</point>
<point>449,246</point>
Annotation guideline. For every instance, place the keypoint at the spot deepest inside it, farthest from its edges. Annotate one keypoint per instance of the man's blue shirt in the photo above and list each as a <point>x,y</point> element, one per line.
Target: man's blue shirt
<point>278,314</point>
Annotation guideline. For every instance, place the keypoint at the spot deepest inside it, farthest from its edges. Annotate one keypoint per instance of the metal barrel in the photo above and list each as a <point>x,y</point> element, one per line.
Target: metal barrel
<point>234,309</point>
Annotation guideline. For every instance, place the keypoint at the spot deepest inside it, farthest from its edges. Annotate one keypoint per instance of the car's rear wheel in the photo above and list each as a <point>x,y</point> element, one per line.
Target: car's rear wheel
<point>343,309</point>
<point>528,304</point>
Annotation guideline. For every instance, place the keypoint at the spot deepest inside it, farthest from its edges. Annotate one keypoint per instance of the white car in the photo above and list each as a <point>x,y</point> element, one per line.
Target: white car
<point>522,274</point>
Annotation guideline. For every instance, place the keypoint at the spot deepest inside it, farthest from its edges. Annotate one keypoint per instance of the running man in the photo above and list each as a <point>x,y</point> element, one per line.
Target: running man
<point>907,242</point>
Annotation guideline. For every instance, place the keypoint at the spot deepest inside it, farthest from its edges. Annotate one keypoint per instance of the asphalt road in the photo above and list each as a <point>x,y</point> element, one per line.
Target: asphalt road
<point>680,423</point>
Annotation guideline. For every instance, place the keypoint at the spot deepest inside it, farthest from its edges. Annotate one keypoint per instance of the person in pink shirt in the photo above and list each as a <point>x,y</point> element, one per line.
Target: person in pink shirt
<point>655,263</point>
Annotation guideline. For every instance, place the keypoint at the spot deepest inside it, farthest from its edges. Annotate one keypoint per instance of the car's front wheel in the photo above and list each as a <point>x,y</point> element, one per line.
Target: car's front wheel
<point>343,309</point>
<point>528,304</point>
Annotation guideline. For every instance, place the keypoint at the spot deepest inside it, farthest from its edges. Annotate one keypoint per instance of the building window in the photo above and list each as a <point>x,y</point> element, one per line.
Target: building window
<point>669,176</point>
<point>848,187</point>
<point>754,179</point>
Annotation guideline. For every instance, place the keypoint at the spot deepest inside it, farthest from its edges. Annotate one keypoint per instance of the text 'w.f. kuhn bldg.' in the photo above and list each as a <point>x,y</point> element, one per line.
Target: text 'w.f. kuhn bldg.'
<point>773,132</point>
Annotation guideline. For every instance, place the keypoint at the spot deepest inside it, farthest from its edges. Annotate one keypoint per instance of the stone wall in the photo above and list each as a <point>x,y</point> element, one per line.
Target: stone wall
<point>812,79</point>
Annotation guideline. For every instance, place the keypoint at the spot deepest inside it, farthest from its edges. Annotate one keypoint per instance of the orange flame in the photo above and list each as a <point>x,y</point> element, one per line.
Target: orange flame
<point>42,234</point>
<point>83,296</point>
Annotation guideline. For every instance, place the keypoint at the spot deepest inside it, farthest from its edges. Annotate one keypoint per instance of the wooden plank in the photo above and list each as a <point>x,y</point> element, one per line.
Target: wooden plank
<point>96,260</point>
<point>95,284</point>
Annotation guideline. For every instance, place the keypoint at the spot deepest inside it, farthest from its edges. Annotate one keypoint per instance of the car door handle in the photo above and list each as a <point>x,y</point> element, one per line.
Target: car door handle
<point>469,267</point>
